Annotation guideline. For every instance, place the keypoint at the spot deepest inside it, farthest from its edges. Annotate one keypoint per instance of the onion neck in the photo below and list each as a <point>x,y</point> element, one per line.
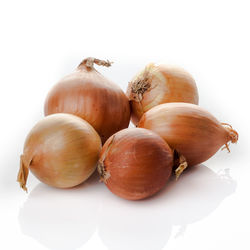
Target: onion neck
<point>232,134</point>
<point>23,174</point>
<point>104,174</point>
<point>88,63</point>
<point>181,163</point>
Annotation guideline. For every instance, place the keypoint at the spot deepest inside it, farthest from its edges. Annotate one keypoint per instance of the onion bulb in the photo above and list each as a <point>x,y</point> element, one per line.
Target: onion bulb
<point>89,95</point>
<point>135,163</point>
<point>61,150</point>
<point>158,84</point>
<point>191,131</point>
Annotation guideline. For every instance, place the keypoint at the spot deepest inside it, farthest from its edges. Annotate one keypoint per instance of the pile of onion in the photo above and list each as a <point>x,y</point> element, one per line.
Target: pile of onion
<point>191,131</point>
<point>88,94</point>
<point>61,150</point>
<point>84,111</point>
<point>135,163</point>
<point>158,84</point>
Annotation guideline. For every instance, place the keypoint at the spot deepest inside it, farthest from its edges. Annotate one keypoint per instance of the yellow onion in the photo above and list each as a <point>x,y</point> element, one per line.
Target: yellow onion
<point>61,150</point>
<point>135,163</point>
<point>91,96</point>
<point>158,84</point>
<point>191,131</point>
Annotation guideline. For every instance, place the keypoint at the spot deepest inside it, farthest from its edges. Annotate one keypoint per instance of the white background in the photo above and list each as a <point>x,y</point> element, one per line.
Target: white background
<point>41,41</point>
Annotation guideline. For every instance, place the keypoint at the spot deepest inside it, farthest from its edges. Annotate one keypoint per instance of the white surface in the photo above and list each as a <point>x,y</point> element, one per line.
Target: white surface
<point>41,41</point>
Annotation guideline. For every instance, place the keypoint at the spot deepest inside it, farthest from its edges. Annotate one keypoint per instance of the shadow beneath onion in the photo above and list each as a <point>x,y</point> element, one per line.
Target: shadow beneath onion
<point>62,219</point>
<point>148,224</point>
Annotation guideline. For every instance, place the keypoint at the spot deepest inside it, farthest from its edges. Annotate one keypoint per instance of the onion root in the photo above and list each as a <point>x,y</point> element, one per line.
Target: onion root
<point>141,85</point>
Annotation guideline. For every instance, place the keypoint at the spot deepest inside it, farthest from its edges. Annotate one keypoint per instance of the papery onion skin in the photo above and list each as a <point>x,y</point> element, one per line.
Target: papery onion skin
<point>135,163</point>
<point>189,129</point>
<point>61,150</point>
<point>89,95</point>
<point>158,84</point>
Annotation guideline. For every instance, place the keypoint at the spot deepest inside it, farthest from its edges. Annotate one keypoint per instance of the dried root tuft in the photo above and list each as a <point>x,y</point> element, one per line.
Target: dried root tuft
<point>140,85</point>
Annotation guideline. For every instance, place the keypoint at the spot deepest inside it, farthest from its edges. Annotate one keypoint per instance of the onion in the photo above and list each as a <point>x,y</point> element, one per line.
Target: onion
<point>135,163</point>
<point>158,84</point>
<point>61,150</point>
<point>89,95</point>
<point>191,131</point>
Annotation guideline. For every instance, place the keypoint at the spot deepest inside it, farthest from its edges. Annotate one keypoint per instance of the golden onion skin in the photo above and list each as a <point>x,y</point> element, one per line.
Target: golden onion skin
<point>61,150</point>
<point>135,163</point>
<point>158,84</point>
<point>88,94</point>
<point>189,129</point>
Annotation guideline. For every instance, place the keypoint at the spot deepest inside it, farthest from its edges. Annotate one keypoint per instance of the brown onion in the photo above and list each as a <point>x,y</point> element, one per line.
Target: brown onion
<point>158,84</point>
<point>61,150</point>
<point>193,132</point>
<point>89,95</point>
<point>135,163</point>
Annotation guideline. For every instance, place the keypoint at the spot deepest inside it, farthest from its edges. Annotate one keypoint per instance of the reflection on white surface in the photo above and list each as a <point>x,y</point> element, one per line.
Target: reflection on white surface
<point>148,224</point>
<point>66,219</point>
<point>61,219</point>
